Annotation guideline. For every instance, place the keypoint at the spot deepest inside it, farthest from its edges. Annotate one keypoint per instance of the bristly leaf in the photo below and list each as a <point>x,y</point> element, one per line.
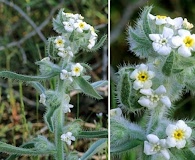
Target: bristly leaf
<point>168,66</point>
<point>57,23</point>
<point>126,146</point>
<point>95,148</point>
<point>99,44</point>
<point>7,148</point>
<point>86,87</point>
<point>25,78</point>
<point>146,24</point>
<point>93,134</point>
<point>38,86</point>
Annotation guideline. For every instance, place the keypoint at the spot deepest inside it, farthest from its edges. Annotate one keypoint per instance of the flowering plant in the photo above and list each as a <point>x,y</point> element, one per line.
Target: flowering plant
<point>151,88</point>
<point>74,35</point>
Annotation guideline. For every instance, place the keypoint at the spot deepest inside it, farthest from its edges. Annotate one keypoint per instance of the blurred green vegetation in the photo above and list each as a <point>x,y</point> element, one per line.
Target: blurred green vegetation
<point>120,54</point>
<point>21,47</point>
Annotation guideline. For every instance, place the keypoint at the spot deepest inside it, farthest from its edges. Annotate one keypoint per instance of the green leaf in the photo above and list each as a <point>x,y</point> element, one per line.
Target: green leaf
<point>9,149</point>
<point>95,148</point>
<point>146,25</point>
<point>48,117</point>
<point>26,78</point>
<point>99,84</point>
<point>125,146</point>
<point>93,134</point>
<point>38,86</point>
<point>86,87</point>
<point>99,44</point>
<point>57,23</point>
<point>168,66</point>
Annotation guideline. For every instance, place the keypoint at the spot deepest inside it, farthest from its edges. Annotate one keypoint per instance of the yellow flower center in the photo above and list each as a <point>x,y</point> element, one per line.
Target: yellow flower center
<point>178,134</point>
<point>60,42</point>
<point>156,148</point>
<point>77,69</point>
<point>81,25</point>
<point>161,17</point>
<point>142,76</point>
<point>188,41</point>
<point>154,98</point>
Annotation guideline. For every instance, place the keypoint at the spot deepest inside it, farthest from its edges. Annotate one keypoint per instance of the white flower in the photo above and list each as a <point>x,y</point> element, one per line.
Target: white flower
<point>155,146</point>
<point>116,112</point>
<point>185,42</point>
<point>92,41</point>
<point>187,25</point>
<point>66,108</point>
<point>92,31</point>
<point>153,98</point>
<point>42,99</point>
<point>64,75</point>
<point>76,69</point>
<point>80,26</point>
<point>160,20</point>
<point>46,59</point>
<point>178,134</point>
<point>161,41</point>
<point>99,115</point>
<point>142,77</point>
<point>69,25</point>
<point>59,41</point>
<point>67,138</point>
<point>64,52</point>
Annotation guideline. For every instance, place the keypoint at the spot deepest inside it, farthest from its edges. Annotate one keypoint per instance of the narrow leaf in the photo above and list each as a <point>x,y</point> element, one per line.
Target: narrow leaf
<point>86,87</point>
<point>95,148</point>
<point>126,146</point>
<point>168,66</point>
<point>146,25</point>
<point>7,148</point>
<point>100,43</point>
<point>38,86</point>
<point>93,134</point>
<point>99,84</point>
<point>26,78</point>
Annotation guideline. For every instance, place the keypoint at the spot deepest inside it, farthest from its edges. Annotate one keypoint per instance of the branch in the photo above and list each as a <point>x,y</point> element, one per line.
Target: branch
<point>129,10</point>
<point>18,43</point>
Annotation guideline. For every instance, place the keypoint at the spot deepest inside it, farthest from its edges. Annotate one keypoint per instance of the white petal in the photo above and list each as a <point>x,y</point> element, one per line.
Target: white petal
<point>181,144</point>
<point>161,21</point>
<point>116,112</point>
<point>147,84</point>
<point>151,74</point>
<point>183,32</point>
<point>170,142</point>
<point>160,90</point>
<point>72,138</point>
<point>145,102</point>
<point>148,148</point>
<point>137,85</point>
<point>170,129</point>
<point>165,153</point>
<point>156,46</point>
<point>152,17</point>
<point>188,132</point>
<point>154,37</point>
<point>167,32</point>
<point>184,51</point>
<point>162,142</point>
<point>178,22</point>
<point>143,67</point>
<point>146,92</point>
<point>166,101</point>
<point>164,50</point>
<point>181,124</point>
<point>134,74</point>
<point>152,138</point>
<point>176,41</point>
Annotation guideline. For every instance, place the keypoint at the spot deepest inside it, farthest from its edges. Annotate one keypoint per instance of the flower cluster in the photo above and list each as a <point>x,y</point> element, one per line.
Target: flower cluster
<point>67,137</point>
<point>177,136</point>
<point>173,36</point>
<point>76,71</point>
<point>143,82</point>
